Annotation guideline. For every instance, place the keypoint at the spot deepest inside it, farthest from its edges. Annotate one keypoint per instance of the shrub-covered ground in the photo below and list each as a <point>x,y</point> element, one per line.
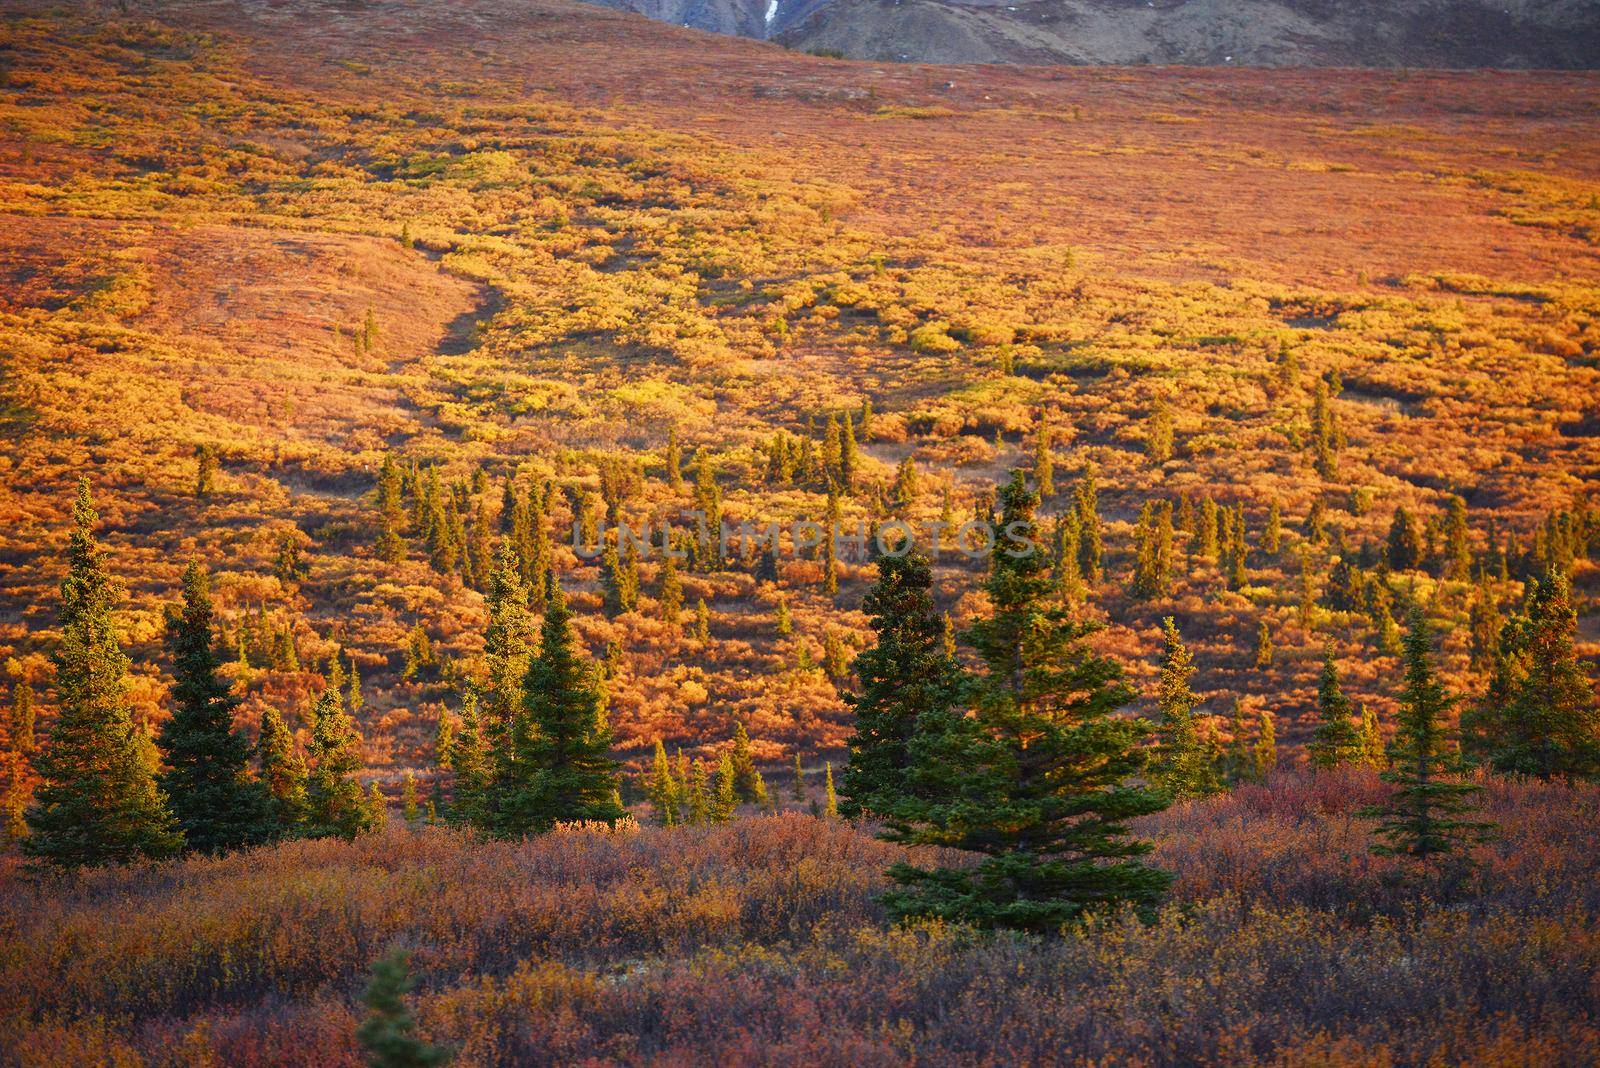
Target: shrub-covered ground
<point>575,233</point>
<point>759,942</point>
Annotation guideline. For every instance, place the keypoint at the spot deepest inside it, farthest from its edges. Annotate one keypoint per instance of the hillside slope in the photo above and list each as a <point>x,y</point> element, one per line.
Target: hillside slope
<point>579,234</point>
<point>1516,34</point>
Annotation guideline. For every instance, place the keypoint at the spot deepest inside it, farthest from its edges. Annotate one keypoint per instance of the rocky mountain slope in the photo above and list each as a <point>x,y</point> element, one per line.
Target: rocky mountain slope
<point>1258,33</point>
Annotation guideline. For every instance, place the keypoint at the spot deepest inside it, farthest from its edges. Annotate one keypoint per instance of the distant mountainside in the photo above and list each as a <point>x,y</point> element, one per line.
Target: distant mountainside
<point>1258,33</point>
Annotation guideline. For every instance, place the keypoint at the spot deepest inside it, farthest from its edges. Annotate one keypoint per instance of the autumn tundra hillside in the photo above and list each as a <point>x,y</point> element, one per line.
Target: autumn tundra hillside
<point>525,245</point>
<point>1121,582</point>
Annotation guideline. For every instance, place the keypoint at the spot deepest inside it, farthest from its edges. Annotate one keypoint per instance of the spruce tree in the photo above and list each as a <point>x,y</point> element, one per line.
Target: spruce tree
<point>1043,462</point>
<point>1485,624</point>
<point>670,589</point>
<point>213,798</point>
<point>661,789</point>
<point>1038,780</point>
<point>1091,549</point>
<point>1405,543</point>
<point>905,672</point>
<point>797,785</point>
<point>1374,754</point>
<point>444,741</point>
<point>744,767</point>
<point>335,803</point>
<point>1185,768</point>
<point>1457,543</point>
<point>1265,651</point>
<point>848,460</point>
<point>830,796</point>
<point>377,809</point>
<point>205,475</point>
<point>560,738</point>
<point>408,797</point>
<point>724,790</point>
<point>673,460</point>
<point>472,764</point>
<point>391,517</point>
<point>18,761</point>
<point>1158,433</point>
<point>699,804</point>
<point>702,621</point>
<point>97,801</point>
<point>1266,747</point>
<point>1152,575</point>
<point>1272,534</point>
<point>388,1035</point>
<point>1423,818</point>
<point>283,774</point>
<point>1324,443</point>
<point>1335,741</point>
<point>1542,715</point>
<point>505,653</point>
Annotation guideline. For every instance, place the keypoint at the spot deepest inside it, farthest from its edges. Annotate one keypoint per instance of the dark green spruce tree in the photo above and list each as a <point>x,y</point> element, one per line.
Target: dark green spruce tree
<point>1542,714</point>
<point>1038,781</point>
<point>388,1035</point>
<point>560,737</point>
<point>97,801</point>
<point>903,674</point>
<point>336,804</point>
<point>1186,766</point>
<point>283,773</point>
<point>1335,741</point>
<point>1423,819</point>
<point>218,805</point>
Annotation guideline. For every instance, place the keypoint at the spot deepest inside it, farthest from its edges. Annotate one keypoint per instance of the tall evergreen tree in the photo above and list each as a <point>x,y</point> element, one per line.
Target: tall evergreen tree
<point>560,739</point>
<point>1044,468</point>
<point>662,789</point>
<point>505,653</point>
<point>1405,542</point>
<point>391,516</point>
<point>1152,576</point>
<point>1542,715</point>
<point>674,459</point>
<point>206,777</point>
<point>1037,782</point>
<point>670,595</point>
<point>1185,767</point>
<point>904,673</point>
<point>205,475</point>
<point>1266,747</point>
<point>1374,753</point>
<point>1265,652</point>
<point>335,803</point>
<point>97,801</point>
<point>724,789</point>
<point>1324,442</point>
<point>1158,433</point>
<point>745,776</point>
<point>1457,543</point>
<point>1335,741</point>
<point>1272,534</point>
<point>17,766</point>
<point>283,773</point>
<point>1091,548</point>
<point>848,460</point>
<point>473,767</point>
<point>1423,818</point>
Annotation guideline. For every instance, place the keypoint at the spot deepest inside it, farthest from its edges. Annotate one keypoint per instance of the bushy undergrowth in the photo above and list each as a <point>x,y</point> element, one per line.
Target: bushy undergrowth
<point>760,942</point>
